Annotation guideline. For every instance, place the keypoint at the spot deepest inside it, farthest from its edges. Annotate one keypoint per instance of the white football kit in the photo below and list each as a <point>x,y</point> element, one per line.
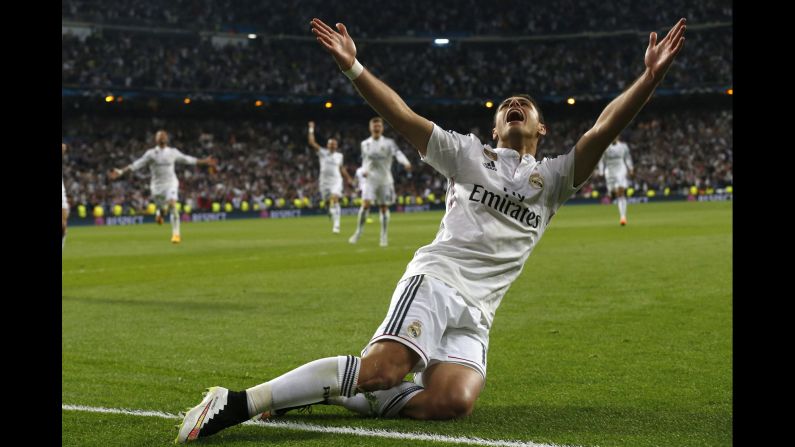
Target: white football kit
<point>161,161</point>
<point>498,206</point>
<point>614,166</point>
<point>330,179</point>
<point>64,202</point>
<point>377,156</point>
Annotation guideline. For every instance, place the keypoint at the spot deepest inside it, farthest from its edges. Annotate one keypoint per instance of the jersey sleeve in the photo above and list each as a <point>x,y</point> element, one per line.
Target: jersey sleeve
<point>444,150</point>
<point>182,158</point>
<point>561,171</point>
<point>399,155</point>
<point>141,162</point>
<point>627,157</point>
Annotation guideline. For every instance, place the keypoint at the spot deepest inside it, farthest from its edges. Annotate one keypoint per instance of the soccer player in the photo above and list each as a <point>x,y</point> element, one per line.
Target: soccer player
<point>360,175</point>
<point>64,205</point>
<point>164,184</point>
<point>377,154</point>
<point>331,174</point>
<point>615,165</point>
<point>442,309</point>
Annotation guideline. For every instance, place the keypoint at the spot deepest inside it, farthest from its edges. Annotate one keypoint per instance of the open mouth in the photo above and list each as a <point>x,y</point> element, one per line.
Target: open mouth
<point>514,115</point>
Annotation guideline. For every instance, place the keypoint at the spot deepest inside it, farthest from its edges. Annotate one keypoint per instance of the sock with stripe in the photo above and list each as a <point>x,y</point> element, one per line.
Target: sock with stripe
<point>313,383</point>
<point>174,217</point>
<point>622,206</point>
<point>382,403</point>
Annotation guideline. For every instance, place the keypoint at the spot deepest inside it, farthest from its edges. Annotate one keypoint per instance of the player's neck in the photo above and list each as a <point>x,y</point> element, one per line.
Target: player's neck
<point>521,145</point>
<point>376,137</point>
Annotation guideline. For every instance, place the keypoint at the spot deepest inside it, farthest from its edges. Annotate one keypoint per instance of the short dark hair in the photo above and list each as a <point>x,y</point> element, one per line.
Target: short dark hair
<point>376,119</point>
<point>532,101</point>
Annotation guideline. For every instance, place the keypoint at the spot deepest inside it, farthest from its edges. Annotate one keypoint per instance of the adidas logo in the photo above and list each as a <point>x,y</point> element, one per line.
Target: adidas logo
<point>490,165</point>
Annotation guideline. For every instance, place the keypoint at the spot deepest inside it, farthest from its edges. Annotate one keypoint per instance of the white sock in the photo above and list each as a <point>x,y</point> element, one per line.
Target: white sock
<point>622,206</point>
<point>174,221</point>
<point>382,403</point>
<point>335,215</point>
<point>309,384</point>
<point>362,220</point>
<point>384,218</point>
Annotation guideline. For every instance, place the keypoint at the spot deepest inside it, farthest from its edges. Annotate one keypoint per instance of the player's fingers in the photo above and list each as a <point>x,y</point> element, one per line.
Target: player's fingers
<point>343,29</point>
<point>321,25</point>
<point>679,46</point>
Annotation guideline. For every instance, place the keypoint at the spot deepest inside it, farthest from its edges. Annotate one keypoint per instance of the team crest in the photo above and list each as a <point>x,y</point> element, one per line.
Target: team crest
<point>489,154</point>
<point>415,329</point>
<point>537,181</point>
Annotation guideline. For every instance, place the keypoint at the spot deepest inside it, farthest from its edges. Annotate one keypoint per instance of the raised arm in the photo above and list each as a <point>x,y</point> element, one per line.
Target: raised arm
<point>311,137</point>
<point>416,129</point>
<point>134,166</point>
<point>620,112</point>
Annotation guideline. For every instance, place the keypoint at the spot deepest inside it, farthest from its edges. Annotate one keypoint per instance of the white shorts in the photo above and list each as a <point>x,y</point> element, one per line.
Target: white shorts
<point>383,194</point>
<point>161,196</point>
<point>432,319</point>
<point>616,182</point>
<point>328,189</point>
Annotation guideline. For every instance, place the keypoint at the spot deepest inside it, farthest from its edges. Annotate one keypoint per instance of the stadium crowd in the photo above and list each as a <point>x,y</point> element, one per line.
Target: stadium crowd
<point>262,162</point>
<point>400,17</point>
<point>473,70</point>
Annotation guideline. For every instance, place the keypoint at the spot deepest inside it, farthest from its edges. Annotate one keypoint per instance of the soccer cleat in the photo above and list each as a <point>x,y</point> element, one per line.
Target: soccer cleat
<point>383,242</point>
<point>214,413</point>
<point>354,239</point>
<point>176,239</point>
<point>268,415</point>
<point>335,230</point>
<point>369,220</point>
<point>623,221</point>
<point>159,219</point>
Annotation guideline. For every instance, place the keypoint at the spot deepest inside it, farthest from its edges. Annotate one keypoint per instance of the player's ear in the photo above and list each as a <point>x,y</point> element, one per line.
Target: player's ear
<point>542,129</point>
<point>494,134</point>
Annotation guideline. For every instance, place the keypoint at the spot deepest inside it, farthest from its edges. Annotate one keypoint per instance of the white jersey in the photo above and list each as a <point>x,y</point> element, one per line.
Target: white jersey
<point>615,161</point>
<point>64,202</point>
<point>377,158</point>
<point>498,206</point>
<point>330,163</point>
<point>161,165</point>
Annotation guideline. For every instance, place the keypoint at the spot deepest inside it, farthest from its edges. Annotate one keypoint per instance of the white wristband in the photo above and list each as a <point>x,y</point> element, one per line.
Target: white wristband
<point>354,71</point>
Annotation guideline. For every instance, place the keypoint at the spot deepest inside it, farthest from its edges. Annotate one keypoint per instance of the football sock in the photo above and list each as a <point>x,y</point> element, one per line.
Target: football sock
<point>312,383</point>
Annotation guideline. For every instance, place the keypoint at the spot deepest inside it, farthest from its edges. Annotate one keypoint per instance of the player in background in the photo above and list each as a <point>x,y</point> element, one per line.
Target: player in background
<point>164,184</point>
<point>442,309</point>
<point>64,204</point>
<point>360,175</point>
<point>615,165</point>
<point>378,152</point>
<point>331,173</point>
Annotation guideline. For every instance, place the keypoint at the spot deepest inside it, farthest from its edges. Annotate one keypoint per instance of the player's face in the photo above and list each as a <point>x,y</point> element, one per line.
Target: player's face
<point>161,138</point>
<point>376,128</point>
<point>332,144</point>
<point>63,148</point>
<point>517,115</point>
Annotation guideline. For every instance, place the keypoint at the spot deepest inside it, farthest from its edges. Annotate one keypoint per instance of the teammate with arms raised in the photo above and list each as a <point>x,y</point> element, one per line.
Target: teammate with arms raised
<point>442,309</point>
<point>377,154</point>
<point>615,165</point>
<point>164,183</point>
<point>331,173</point>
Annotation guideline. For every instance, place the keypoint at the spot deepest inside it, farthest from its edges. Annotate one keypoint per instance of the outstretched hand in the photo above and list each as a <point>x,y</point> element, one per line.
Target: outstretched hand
<point>114,174</point>
<point>659,56</point>
<point>339,44</point>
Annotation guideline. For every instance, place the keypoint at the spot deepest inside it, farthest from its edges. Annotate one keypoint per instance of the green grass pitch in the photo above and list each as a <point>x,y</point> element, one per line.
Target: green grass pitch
<point>611,336</point>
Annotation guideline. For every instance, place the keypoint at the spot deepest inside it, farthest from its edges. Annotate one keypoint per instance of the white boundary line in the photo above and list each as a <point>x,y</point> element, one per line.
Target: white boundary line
<point>356,431</point>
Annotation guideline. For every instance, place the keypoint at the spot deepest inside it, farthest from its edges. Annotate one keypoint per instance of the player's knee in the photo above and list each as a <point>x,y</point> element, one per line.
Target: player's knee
<point>455,405</point>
